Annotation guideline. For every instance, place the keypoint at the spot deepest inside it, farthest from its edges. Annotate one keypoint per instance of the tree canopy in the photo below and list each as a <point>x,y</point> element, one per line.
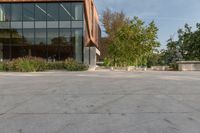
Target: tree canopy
<point>131,42</point>
<point>186,47</point>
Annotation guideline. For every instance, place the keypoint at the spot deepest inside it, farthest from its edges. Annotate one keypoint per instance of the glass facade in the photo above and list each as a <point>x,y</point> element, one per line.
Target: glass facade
<point>47,30</point>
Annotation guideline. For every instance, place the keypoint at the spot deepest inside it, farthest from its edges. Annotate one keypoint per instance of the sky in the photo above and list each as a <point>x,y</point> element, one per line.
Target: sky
<point>169,15</point>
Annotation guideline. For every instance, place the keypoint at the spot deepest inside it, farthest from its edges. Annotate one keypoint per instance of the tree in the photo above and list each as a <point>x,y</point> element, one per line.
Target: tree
<point>187,47</point>
<point>133,43</point>
<point>190,43</point>
<point>112,22</point>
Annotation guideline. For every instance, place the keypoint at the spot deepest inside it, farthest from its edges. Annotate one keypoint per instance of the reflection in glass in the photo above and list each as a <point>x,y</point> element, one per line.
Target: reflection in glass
<point>53,37</point>
<point>40,24</point>
<point>17,45</point>
<point>40,36</point>
<point>17,34</point>
<point>53,44</point>
<point>4,25</point>
<point>5,12</point>
<point>28,24</point>
<point>77,11</point>
<point>42,29</point>
<point>40,49</point>
<point>16,25</point>
<point>52,24</point>
<point>28,36</point>
<point>28,12</point>
<point>65,34</point>
<point>77,24</point>
<point>5,43</point>
<point>65,24</point>
<point>65,11</point>
<point>29,40</point>
<point>40,12</point>
<point>16,12</point>
<point>52,12</point>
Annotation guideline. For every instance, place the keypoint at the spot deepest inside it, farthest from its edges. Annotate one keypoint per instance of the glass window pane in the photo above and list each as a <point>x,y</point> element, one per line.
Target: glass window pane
<point>28,36</point>
<point>40,49</point>
<point>77,24</point>
<point>16,12</point>
<point>17,45</point>
<point>52,24</point>
<point>77,11</point>
<point>52,12</point>
<point>4,33</point>
<point>40,36</point>
<point>16,33</point>
<point>40,12</point>
<point>40,24</point>
<point>4,43</point>
<point>53,44</point>
<point>4,25</point>
<point>29,41</point>
<point>65,24</point>
<point>65,11</point>
<point>65,37</point>
<point>16,25</point>
<point>5,12</point>
<point>28,12</point>
<point>53,37</point>
<point>28,25</point>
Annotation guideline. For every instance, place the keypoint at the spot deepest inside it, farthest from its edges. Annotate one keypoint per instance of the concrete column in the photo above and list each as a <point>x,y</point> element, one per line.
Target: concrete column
<point>1,52</point>
<point>78,46</point>
<point>90,56</point>
<point>86,56</point>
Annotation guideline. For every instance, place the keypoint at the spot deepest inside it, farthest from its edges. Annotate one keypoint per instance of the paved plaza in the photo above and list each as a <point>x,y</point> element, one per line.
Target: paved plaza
<point>100,102</point>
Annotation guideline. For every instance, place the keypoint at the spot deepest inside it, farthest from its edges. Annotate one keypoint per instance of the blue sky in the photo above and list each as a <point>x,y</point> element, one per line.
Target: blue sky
<point>169,15</point>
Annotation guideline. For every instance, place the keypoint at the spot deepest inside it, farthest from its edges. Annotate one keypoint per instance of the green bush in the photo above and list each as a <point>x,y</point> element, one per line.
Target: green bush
<point>25,64</point>
<point>56,65</point>
<point>1,66</point>
<point>173,66</point>
<point>33,64</point>
<point>8,66</point>
<point>72,65</point>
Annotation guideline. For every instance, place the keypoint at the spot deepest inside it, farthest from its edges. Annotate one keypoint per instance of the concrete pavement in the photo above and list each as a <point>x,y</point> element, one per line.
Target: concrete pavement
<point>100,102</point>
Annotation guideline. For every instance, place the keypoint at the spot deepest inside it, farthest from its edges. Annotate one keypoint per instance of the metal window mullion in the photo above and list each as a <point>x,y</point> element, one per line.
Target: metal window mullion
<point>59,45</point>
<point>34,30</point>
<point>22,18</point>
<point>46,32</point>
<point>82,41</point>
<point>73,47</point>
<point>10,42</point>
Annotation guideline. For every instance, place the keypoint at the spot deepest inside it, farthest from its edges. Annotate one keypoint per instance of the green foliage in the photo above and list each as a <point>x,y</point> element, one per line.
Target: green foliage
<point>156,59</point>
<point>32,64</point>
<point>25,64</point>
<point>72,65</point>
<point>1,66</point>
<point>8,66</point>
<point>133,44</point>
<point>56,65</point>
<point>187,47</point>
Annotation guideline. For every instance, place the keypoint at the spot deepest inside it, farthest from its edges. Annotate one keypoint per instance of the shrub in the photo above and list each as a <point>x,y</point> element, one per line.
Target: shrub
<point>33,64</point>
<point>72,65</point>
<point>174,66</point>
<point>1,66</point>
<point>8,66</point>
<point>56,65</point>
<point>25,64</point>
